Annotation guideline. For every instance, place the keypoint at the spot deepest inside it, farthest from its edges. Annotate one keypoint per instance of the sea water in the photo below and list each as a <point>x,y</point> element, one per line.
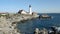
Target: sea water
<point>29,26</point>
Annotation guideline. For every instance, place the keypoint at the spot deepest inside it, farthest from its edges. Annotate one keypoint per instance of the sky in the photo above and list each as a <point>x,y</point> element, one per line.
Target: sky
<point>39,6</point>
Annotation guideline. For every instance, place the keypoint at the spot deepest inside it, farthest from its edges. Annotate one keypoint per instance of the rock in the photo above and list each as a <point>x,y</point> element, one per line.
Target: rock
<point>8,25</point>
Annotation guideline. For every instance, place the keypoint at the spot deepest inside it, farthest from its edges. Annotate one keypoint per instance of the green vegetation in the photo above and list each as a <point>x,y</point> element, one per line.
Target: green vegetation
<point>2,15</point>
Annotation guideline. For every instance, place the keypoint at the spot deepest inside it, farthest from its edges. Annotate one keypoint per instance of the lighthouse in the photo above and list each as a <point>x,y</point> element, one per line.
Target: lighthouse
<point>30,11</point>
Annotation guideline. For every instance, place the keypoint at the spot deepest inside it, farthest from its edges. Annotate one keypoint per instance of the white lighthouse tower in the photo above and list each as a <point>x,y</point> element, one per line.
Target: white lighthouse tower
<point>30,11</point>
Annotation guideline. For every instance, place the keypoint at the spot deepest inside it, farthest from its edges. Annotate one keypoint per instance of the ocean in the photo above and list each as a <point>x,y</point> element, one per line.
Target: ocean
<point>29,26</point>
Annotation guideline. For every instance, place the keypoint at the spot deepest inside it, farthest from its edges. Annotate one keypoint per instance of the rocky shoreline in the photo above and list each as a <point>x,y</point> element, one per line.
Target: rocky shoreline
<point>8,23</point>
